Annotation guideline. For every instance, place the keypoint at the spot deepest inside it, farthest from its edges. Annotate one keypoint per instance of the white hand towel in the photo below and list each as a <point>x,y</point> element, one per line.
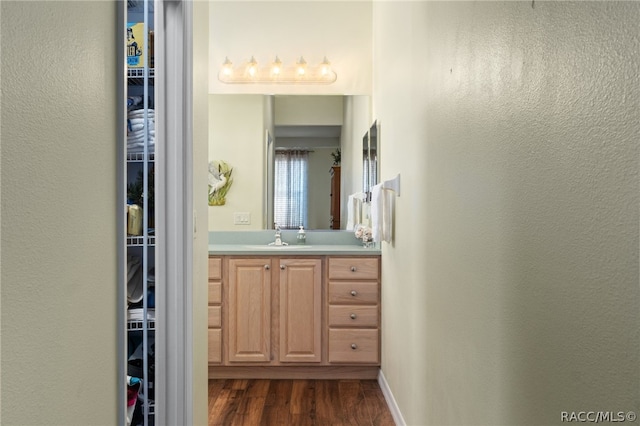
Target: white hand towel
<point>376,212</point>
<point>387,215</point>
<point>381,214</point>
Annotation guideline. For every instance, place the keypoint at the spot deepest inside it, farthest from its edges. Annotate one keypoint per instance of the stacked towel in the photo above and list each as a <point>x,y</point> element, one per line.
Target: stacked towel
<point>137,133</point>
<point>381,211</point>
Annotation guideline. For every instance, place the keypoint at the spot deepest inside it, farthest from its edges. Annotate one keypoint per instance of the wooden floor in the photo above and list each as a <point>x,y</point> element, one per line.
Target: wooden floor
<point>297,402</point>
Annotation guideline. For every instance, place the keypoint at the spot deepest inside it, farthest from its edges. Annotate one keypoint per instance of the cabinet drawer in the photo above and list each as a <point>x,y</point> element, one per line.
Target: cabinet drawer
<point>353,316</point>
<point>215,316</point>
<point>215,268</point>
<point>215,292</point>
<point>353,268</point>
<point>354,292</point>
<point>215,345</point>
<point>353,346</point>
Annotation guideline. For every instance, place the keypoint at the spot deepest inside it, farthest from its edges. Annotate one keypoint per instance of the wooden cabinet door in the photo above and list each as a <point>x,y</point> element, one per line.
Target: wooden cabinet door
<point>249,310</point>
<point>300,310</point>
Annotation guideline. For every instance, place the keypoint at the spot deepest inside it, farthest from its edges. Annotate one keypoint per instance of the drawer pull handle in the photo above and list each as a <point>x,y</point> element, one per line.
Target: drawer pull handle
<point>282,267</point>
<point>354,346</point>
<point>353,316</point>
<point>354,293</point>
<point>353,269</point>
<point>266,267</point>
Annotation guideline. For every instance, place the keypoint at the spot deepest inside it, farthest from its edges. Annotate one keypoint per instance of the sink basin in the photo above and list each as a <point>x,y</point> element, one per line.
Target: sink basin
<point>274,247</point>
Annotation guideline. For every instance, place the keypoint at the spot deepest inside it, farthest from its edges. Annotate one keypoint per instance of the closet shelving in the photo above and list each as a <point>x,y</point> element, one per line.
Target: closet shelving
<point>140,233</point>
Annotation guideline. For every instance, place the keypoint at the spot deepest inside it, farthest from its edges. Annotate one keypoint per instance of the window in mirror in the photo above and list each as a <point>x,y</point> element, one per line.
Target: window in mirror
<point>291,188</point>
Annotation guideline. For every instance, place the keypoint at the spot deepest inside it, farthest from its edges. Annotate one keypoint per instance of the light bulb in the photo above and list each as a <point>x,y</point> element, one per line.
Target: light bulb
<point>301,66</point>
<point>227,67</point>
<point>325,67</point>
<point>276,67</point>
<point>253,67</point>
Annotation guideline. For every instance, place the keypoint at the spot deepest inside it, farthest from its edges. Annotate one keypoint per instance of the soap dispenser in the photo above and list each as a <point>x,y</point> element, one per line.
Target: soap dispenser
<point>302,236</point>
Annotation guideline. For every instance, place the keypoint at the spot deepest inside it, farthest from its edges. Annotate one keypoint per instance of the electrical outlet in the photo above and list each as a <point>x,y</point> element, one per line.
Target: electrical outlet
<point>241,218</point>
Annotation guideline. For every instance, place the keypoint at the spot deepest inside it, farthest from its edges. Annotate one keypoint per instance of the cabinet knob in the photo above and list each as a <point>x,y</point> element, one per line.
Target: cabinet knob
<point>354,293</point>
<point>354,346</point>
<point>267,267</point>
<point>353,269</point>
<point>353,316</point>
<point>282,267</point>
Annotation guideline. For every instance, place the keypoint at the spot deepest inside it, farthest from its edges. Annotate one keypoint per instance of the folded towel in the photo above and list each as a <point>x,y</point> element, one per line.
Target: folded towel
<point>135,127</point>
<point>140,119</point>
<point>142,132</point>
<point>139,113</point>
<point>354,210</point>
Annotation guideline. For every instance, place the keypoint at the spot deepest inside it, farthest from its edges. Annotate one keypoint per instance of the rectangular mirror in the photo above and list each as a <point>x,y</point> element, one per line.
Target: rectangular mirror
<point>305,143</point>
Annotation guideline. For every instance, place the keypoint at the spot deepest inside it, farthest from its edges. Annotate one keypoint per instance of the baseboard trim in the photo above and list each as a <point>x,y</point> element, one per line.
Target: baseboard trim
<point>326,372</point>
<point>391,401</point>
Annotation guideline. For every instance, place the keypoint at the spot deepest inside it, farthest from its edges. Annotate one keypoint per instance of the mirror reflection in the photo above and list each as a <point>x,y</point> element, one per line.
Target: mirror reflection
<point>370,158</point>
<point>295,158</point>
<point>306,177</point>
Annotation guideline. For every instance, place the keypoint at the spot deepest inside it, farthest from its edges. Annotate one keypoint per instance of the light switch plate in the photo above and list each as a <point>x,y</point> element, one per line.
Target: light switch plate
<point>242,218</point>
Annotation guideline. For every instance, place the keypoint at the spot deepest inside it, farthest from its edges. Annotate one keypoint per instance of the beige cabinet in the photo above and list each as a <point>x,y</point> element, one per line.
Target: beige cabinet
<point>215,310</point>
<point>249,310</point>
<point>354,310</point>
<point>294,316</point>
<point>300,310</point>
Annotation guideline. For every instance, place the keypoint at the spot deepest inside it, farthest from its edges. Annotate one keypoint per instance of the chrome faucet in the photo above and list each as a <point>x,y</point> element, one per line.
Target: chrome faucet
<point>278,241</point>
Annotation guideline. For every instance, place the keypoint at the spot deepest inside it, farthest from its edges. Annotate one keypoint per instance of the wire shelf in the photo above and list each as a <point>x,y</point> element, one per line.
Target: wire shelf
<point>139,72</point>
<point>139,156</point>
<point>134,241</point>
<point>133,325</point>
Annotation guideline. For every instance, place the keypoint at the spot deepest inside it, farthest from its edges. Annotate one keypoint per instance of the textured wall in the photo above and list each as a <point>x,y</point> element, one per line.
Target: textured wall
<point>59,283</point>
<point>511,293</point>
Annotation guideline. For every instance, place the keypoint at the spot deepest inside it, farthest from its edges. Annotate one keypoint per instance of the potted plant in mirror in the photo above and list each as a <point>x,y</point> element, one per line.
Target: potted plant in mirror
<point>337,157</point>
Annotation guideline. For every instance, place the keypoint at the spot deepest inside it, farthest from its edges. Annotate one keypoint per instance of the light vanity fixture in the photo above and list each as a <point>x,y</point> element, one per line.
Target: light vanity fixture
<point>276,72</point>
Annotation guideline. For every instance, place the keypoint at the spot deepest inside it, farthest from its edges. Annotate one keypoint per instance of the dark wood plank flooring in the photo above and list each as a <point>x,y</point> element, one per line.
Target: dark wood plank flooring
<point>297,402</point>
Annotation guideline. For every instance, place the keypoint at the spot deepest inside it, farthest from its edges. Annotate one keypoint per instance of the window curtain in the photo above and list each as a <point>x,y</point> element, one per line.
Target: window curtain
<point>290,192</point>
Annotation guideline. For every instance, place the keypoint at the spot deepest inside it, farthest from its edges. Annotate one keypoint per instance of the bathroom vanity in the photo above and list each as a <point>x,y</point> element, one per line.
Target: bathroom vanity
<point>308,311</point>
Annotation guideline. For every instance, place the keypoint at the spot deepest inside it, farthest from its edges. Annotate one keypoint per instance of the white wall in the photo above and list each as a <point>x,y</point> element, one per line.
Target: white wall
<point>341,30</point>
<point>511,291</point>
<point>236,134</point>
<point>59,248</point>
<point>300,110</point>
